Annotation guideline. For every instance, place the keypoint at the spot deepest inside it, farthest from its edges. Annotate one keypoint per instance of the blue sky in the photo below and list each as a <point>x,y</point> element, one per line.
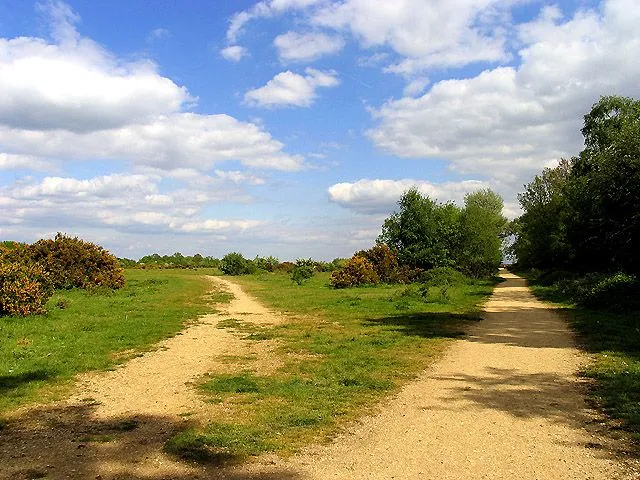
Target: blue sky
<point>287,127</point>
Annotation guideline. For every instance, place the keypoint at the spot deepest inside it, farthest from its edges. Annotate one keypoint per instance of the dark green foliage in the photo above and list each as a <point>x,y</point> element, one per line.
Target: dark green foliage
<point>583,215</point>
<point>235,264</point>
<point>482,227</point>
<point>74,263</point>
<point>427,235</point>
<point>303,270</point>
<point>177,260</point>
<point>423,232</point>
<point>442,276</point>
<point>268,264</point>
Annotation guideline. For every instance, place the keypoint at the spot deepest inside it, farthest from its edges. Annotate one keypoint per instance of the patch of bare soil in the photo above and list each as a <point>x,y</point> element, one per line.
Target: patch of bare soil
<point>115,424</point>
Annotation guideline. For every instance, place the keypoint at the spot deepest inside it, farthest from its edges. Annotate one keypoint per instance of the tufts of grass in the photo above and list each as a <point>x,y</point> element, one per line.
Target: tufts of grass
<point>218,443</point>
<point>341,352</point>
<point>82,331</point>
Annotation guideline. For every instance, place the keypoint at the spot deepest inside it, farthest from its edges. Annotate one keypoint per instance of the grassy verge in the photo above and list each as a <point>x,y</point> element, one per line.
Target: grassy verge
<point>341,352</point>
<point>613,339</point>
<point>85,331</point>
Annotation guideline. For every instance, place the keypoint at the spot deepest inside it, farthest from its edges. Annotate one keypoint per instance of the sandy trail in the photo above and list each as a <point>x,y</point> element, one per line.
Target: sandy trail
<point>115,424</point>
<point>504,403</point>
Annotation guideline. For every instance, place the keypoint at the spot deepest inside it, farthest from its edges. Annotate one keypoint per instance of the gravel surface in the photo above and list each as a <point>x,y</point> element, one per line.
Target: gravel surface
<point>504,403</point>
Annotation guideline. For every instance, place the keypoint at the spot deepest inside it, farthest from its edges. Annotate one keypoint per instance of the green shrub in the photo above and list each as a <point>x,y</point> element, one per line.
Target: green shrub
<point>24,289</point>
<point>303,270</point>
<point>357,271</point>
<point>74,263</point>
<point>442,276</point>
<point>266,263</point>
<point>235,264</point>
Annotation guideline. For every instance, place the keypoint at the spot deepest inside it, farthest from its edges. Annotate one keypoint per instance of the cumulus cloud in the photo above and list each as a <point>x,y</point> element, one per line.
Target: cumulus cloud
<point>305,47</point>
<point>380,196</point>
<point>71,99</point>
<point>234,53</point>
<point>263,9</point>
<point>180,139</point>
<point>126,202</point>
<point>509,122</point>
<point>292,89</point>
<point>24,162</point>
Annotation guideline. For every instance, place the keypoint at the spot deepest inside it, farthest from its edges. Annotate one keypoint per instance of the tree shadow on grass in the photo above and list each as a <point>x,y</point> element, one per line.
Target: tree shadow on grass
<point>428,325</point>
<point>12,382</point>
<point>70,441</point>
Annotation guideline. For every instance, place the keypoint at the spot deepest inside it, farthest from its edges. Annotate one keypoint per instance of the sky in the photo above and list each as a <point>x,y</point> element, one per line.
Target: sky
<point>287,127</point>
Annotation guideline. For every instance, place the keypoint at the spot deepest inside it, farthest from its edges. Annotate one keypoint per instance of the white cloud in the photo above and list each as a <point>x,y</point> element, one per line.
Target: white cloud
<point>426,34</point>
<point>305,47</point>
<point>181,139</point>
<point>76,85</point>
<point>74,100</point>
<point>510,122</point>
<point>263,9</point>
<point>125,202</point>
<point>380,196</point>
<point>234,53</point>
<point>291,89</point>
<point>24,162</point>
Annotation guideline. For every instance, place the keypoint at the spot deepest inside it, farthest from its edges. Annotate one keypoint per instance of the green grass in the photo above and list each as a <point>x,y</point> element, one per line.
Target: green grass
<point>342,351</point>
<point>83,331</point>
<point>613,339</point>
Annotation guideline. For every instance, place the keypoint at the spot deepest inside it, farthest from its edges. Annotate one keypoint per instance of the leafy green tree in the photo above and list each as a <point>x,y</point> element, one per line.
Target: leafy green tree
<point>423,232</point>
<point>234,263</point>
<point>603,191</point>
<point>482,227</point>
<point>541,231</point>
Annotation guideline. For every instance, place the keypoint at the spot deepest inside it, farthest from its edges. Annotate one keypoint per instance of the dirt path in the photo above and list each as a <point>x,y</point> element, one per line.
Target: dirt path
<point>115,424</point>
<point>503,404</point>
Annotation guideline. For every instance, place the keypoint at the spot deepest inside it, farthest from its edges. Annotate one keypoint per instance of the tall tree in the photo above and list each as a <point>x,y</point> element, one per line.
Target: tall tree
<point>604,188</point>
<point>541,231</point>
<point>482,227</point>
<point>423,232</point>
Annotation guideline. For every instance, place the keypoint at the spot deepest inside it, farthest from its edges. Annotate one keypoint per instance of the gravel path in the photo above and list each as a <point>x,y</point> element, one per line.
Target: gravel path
<point>504,403</point>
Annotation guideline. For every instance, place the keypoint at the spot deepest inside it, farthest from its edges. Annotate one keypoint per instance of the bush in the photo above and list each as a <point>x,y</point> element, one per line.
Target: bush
<point>357,271</point>
<point>266,263</point>
<point>619,291</point>
<point>74,263</point>
<point>442,276</point>
<point>24,289</point>
<point>286,267</point>
<point>383,259</point>
<point>235,264</point>
<point>303,270</point>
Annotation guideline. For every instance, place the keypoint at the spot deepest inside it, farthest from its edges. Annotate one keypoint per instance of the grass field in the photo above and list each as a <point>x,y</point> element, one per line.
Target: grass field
<point>613,339</point>
<point>341,351</point>
<point>93,331</point>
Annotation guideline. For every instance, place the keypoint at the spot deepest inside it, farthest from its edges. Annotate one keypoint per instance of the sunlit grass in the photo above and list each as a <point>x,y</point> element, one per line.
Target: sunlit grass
<point>342,351</point>
<point>83,331</point>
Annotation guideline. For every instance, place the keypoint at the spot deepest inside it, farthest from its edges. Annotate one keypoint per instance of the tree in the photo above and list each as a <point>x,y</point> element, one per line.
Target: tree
<point>482,227</point>
<point>603,191</point>
<point>423,232</point>
<point>541,231</point>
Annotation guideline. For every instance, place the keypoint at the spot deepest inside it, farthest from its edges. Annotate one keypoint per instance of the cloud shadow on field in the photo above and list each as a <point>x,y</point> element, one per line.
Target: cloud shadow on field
<point>68,441</point>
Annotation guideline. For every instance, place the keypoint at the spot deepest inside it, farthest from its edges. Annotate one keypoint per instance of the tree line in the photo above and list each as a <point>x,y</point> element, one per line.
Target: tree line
<point>581,219</point>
